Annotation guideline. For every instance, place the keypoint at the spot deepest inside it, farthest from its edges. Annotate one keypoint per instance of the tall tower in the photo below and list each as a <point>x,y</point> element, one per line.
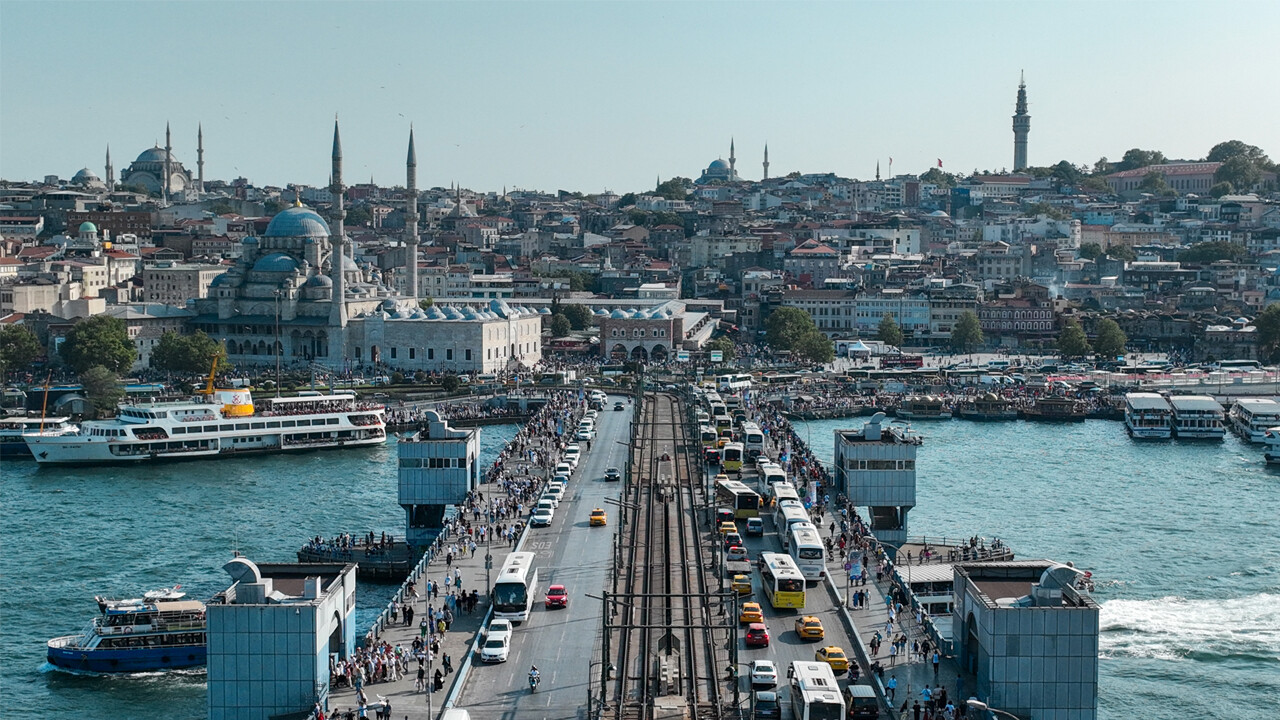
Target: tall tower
<point>338,312</point>
<point>411,216</point>
<point>1021,127</point>
<point>200,160</point>
<point>732,160</point>
<point>766,161</point>
<point>168,167</point>
<point>111,171</point>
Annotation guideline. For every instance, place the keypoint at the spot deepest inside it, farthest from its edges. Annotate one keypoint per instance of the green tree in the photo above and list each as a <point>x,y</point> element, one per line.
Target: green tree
<point>1111,339</point>
<point>185,353</point>
<point>889,332</point>
<point>1135,158</point>
<point>1268,325</point>
<point>674,189</point>
<point>1052,212</point>
<point>221,208</point>
<point>426,302</point>
<point>98,340</point>
<point>627,200</point>
<point>1073,343</point>
<point>397,378</point>
<point>1208,252</point>
<point>816,347</point>
<point>579,316</point>
<point>967,332</point>
<point>1240,171</point>
<point>450,383</point>
<point>1225,151</point>
<point>939,178</point>
<point>724,345</point>
<point>19,347</point>
<point>358,217</point>
<point>785,326</point>
<point>560,325</point>
<point>1090,251</point>
<point>1154,183</point>
<point>1103,166</point>
<point>1220,189</point>
<point>1122,252</point>
<point>101,387</point>
<point>1066,173</point>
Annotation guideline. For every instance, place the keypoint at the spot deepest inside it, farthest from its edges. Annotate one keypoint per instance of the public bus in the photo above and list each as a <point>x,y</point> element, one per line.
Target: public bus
<point>733,383</point>
<point>782,582</point>
<point>709,436</point>
<point>723,422</point>
<point>780,379</point>
<point>789,513</point>
<point>514,587</point>
<point>715,405</point>
<point>814,692</point>
<point>783,491</point>
<point>773,474</point>
<point>752,440</point>
<point>732,457</point>
<point>744,501</point>
<point>807,550</point>
<point>901,361</point>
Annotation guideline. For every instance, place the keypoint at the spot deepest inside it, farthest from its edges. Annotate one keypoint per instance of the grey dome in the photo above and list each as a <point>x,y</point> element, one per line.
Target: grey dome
<point>297,222</point>
<point>276,262</point>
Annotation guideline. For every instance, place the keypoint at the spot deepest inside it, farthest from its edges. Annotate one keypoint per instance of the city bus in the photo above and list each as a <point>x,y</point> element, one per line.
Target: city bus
<point>514,587</point>
<point>709,436</point>
<point>752,440</point>
<point>782,582</point>
<point>715,405</point>
<point>733,383</point>
<point>744,501</point>
<point>782,491</point>
<point>732,457</point>
<point>779,379</point>
<point>723,422</point>
<point>789,513</point>
<point>772,474</point>
<point>814,692</point>
<point>807,550</point>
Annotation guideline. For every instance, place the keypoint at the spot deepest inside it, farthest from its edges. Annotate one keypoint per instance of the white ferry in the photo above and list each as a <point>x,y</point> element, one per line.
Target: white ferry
<point>1148,416</point>
<point>1272,439</point>
<point>159,631</point>
<point>1197,417</point>
<point>13,444</point>
<point>1252,417</point>
<point>223,423</point>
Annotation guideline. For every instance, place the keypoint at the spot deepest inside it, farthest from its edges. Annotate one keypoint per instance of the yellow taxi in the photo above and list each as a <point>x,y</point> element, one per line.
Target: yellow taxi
<point>722,476</point>
<point>599,517</point>
<point>727,527</point>
<point>742,584</point>
<point>751,613</point>
<point>834,657</point>
<point>809,627</point>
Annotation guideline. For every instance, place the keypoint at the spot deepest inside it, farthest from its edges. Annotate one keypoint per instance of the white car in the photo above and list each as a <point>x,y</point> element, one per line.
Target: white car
<point>546,503</point>
<point>499,626</point>
<point>561,478</point>
<point>496,648</point>
<point>555,492</point>
<point>593,414</point>
<point>548,497</point>
<point>564,468</point>
<point>763,674</point>
<point>582,435</point>
<point>541,517</point>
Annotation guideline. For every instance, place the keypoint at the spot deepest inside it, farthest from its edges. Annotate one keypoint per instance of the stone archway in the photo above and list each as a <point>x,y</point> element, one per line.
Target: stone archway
<point>658,354</point>
<point>618,353</point>
<point>375,355</point>
<point>639,354</point>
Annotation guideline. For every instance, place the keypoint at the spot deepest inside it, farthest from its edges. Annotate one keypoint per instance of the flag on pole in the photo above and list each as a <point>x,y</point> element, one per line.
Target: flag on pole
<point>939,162</point>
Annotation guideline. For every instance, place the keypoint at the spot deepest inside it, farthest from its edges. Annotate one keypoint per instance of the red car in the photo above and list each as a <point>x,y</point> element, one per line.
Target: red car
<point>557,597</point>
<point>757,635</point>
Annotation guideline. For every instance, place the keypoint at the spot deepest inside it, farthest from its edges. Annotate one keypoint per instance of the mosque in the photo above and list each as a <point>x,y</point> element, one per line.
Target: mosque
<point>720,171</point>
<point>298,293</point>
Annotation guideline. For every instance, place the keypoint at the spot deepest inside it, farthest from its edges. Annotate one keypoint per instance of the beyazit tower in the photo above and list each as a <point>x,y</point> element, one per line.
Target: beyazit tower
<point>1021,127</point>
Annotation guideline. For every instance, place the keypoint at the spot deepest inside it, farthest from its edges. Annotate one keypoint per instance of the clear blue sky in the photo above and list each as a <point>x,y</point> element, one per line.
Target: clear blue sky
<point>589,96</point>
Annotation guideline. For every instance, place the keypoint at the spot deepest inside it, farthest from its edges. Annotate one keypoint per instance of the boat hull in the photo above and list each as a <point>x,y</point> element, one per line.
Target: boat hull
<point>127,660</point>
<point>14,449</point>
<point>99,453</point>
<point>1149,433</point>
<point>981,416</point>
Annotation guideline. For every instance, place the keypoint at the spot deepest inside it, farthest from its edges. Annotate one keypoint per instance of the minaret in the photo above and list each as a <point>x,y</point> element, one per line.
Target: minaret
<point>411,216</point>
<point>732,160</point>
<point>338,311</point>
<point>200,160</point>
<point>766,160</point>
<point>168,168</point>
<point>111,172</point>
<point>1021,127</point>
<point>877,171</point>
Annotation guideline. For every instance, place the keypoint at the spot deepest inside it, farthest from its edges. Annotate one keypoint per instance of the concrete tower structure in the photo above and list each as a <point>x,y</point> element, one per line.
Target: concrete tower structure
<point>200,160</point>
<point>1021,127</point>
<point>732,160</point>
<point>338,256</point>
<point>766,161</point>
<point>168,163</point>
<point>411,217</point>
<point>875,467</point>
<point>111,171</point>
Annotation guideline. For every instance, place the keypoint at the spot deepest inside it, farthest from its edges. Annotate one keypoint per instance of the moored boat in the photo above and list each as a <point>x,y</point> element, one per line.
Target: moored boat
<point>923,407</point>
<point>988,407</point>
<point>1251,418</point>
<point>1056,409</point>
<point>1197,417</point>
<point>159,631</point>
<point>1148,416</point>
<point>13,444</point>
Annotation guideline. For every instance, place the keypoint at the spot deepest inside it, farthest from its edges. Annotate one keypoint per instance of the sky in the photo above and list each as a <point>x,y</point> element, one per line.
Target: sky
<point>614,95</point>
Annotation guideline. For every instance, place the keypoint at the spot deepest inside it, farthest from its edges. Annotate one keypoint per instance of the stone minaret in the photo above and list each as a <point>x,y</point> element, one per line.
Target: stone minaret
<point>766,161</point>
<point>1021,127</point>
<point>338,313</point>
<point>168,167</point>
<point>732,160</point>
<point>111,171</point>
<point>200,160</point>
<point>411,217</point>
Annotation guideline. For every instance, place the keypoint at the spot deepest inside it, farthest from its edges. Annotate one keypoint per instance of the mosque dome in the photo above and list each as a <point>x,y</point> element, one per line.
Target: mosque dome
<point>155,155</point>
<point>276,262</point>
<point>319,281</point>
<point>718,164</point>
<point>88,227</point>
<point>222,280</point>
<point>85,175</point>
<point>297,222</point>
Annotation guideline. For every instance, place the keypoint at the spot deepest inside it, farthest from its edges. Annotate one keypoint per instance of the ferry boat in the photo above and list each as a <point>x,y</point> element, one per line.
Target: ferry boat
<point>159,631</point>
<point>1197,417</point>
<point>1147,416</point>
<point>1272,439</point>
<point>1056,409</point>
<point>1251,418</point>
<point>13,444</point>
<point>222,423</point>
<point>923,407</point>
<point>988,407</point>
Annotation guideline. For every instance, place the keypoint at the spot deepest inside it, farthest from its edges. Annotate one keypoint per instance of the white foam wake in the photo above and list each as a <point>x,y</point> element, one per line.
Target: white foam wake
<point>1175,628</point>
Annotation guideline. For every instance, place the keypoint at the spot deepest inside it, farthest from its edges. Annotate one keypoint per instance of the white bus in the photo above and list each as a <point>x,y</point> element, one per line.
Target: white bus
<point>514,588</point>
<point>773,474</point>
<point>807,550</point>
<point>752,439</point>
<point>733,383</point>
<point>715,405</point>
<point>814,692</point>
<point>780,491</point>
<point>789,514</point>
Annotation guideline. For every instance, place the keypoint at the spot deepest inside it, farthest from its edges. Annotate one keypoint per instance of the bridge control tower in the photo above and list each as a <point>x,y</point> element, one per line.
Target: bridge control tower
<point>875,467</point>
<point>438,467</point>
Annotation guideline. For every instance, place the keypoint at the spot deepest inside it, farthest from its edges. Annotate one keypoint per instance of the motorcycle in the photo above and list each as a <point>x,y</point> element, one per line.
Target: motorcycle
<point>533,682</point>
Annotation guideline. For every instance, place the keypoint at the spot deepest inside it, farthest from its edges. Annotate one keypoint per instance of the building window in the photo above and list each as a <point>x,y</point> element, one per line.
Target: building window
<point>448,354</point>
<point>393,353</point>
<point>431,353</point>
<point>468,351</point>
<point>413,353</point>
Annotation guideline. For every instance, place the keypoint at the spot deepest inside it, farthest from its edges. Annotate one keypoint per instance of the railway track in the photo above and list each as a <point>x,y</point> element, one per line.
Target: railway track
<point>666,621</point>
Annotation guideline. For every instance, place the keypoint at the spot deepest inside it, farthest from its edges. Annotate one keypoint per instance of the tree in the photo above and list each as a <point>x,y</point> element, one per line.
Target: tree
<point>1123,253</point>
<point>938,177</point>
<point>185,353</point>
<point>967,332</point>
<point>1220,189</point>
<point>101,387</point>
<point>1208,252</point>
<point>1073,343</point>
<point>426,302</point>
<point>1225,151</point>
<point>785,326</point>
<point>889,332</point>
<point>1135,158</point>
<point>627,200</point>
<point>221,208</point>
<point>724,345</point>
<point>397,378</point>
<point>1103,166</point>
<point>358,217</point>
<point>579,316</point>
<point>1268,325</point>
<point>1090,251</point>
<point>1052,212</point>
<point>1111,339</point>
<point>450,383</point>
<point>19,347</point>
<point>1066,173</point>
<point>98,340</point>
<point>1240,171</point>
<point>674,189</point>
<point>1154,182</point>
<point>560,325</point>
<point>816,347</point>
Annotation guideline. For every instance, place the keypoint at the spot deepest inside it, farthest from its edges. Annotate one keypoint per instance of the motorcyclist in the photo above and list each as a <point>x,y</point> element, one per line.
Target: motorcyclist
<point>534,675</point>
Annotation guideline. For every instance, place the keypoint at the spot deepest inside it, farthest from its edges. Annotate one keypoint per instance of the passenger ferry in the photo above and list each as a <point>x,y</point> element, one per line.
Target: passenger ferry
<point>1272,439</point>
<point>159,631</point>
<point>223,423</point>
<point>12,430</point>
<point>1147,416</point>
<point>923,407</point>
<point>1251,418</point>
<point>1197,417</point>
<point>988,407</point>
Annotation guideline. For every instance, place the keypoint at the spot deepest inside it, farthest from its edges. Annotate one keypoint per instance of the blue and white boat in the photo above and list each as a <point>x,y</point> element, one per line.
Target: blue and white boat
<point>159,631</point>
<point>13,443</point>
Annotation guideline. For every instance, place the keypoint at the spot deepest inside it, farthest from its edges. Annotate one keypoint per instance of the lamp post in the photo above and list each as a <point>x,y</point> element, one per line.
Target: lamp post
<point>278,349</point>
<point>978,705</point>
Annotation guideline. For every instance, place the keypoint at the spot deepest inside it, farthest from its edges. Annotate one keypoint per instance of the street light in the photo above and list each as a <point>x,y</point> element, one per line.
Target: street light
<point>278,348</point>
<point>978,705</point>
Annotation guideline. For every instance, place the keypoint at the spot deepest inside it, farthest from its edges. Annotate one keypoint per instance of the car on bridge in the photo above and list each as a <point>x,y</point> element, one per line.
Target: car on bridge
<point>764,674</point>
<point>742,584</point>
<point>766,705</point>
<point>618,406</point>
<point>557,597</point>
<point>599,517</point>
<point>613,474</point>
<point>757,635</point>
<point>496,648</point>
<point>833,656</point>
<point>541,517</point>
<point>751,613</point>
<point>736,553</point>
<point>809,627</point>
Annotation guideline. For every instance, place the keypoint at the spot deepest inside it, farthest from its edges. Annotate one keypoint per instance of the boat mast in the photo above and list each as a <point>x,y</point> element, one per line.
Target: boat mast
<point>44,406</point>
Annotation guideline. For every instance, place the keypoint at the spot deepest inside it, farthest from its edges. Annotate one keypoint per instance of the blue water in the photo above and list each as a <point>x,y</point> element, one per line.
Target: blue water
<point>70,534</point>
<point>1180,536</point>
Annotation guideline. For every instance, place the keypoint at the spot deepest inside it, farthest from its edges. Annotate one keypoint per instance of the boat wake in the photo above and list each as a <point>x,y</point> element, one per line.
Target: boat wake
<point>1175,628</point>
<point>200,672</point>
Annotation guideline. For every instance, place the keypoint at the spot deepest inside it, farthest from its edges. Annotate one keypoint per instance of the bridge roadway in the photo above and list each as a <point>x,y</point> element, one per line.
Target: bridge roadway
<point>573,554</point>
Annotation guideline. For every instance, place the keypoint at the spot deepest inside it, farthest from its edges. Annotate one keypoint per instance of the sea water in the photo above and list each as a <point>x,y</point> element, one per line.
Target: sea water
<point>1181,538</point>
<point>72,533</point>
